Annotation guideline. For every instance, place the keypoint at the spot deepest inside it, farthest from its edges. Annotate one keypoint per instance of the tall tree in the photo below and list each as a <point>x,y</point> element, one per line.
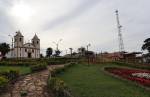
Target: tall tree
<point>82,50</point>
<point>146,45</point>
<point>4,48</point>
<point>49,52</point>
<point>57,53</point>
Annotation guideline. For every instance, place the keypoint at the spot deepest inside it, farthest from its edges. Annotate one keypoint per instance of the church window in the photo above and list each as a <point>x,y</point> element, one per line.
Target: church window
<point>25,50</point>
<point>33,50</point>
<point>37,42</point>
<point>20,39</point>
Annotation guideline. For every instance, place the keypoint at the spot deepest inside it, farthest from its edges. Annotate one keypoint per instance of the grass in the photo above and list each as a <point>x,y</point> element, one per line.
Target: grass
<point>92,81</point>
<point>22,69</point>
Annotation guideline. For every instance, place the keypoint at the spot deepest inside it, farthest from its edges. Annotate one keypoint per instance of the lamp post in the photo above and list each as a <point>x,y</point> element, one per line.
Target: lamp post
<point>11,45</point>
<point>88,52</point>
<point>88,46</point>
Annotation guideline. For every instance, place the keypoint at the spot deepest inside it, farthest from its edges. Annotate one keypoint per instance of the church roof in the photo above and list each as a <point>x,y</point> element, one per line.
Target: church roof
<point>35,37</point>
<point>18,33</point>
<point>29,45</point>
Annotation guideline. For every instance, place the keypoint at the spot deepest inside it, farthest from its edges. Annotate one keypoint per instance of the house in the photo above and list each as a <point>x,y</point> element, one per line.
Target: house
<point>133,57</point>
<point>109,57</point>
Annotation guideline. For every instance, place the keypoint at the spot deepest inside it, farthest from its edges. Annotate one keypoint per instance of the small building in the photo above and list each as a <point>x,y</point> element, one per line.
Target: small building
<point>109,57</point>
<point>133,57</point>
<point>25,50</point>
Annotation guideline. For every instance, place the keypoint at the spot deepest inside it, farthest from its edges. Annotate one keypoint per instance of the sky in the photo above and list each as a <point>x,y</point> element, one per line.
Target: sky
<point>77,23</point>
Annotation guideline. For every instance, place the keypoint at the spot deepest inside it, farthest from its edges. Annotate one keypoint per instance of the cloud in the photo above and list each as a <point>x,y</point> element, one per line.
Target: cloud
<point>79,22</point>
<point>80,9</point>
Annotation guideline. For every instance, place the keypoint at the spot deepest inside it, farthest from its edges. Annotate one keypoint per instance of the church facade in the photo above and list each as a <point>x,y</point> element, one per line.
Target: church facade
<point>25,50</point>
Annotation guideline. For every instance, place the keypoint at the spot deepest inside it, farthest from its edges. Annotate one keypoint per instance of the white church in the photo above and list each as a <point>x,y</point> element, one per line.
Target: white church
<point>27,50</point>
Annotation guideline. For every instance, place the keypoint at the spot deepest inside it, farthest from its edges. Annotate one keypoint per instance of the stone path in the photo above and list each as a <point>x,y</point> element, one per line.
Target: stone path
<point>33,85</point>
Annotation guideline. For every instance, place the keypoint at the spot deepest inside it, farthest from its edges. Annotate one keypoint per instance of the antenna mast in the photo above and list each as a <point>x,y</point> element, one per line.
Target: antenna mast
<point>120,39</point>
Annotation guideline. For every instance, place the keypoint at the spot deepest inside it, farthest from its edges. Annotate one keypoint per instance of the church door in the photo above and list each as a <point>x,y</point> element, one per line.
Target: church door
<point>29,55</point>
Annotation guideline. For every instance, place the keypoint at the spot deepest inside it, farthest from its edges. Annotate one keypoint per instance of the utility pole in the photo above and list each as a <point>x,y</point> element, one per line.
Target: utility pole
<point>71,51</point>
<point>120,39</point>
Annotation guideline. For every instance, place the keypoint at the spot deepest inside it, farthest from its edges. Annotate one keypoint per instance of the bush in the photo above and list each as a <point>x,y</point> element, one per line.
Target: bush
<point>13,63</point>
<point>3,83</point>
<point>56,62</point>
<point>56,71</point>
<point>58,87</point>
<point>38,67</point>
<point>10,74</point>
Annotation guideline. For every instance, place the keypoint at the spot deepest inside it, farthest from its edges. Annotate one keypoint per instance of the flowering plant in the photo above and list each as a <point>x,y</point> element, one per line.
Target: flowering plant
<point>140,76</point>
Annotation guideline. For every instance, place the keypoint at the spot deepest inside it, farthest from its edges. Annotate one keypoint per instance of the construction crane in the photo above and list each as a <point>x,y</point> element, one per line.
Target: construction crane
<point>120,39</point>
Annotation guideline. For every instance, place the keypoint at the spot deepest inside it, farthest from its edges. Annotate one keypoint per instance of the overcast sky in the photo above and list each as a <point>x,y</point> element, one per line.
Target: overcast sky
<point>77,22</point>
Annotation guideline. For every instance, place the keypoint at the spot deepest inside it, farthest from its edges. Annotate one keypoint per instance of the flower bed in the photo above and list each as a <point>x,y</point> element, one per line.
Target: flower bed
<point>140,76</point>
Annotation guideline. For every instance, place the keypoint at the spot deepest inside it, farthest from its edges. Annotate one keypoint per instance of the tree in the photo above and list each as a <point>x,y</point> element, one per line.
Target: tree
<point>146,45</point>
<point>41,56</point>
<point>82,50</point>
<point>57,53</point>
<point>4,48</point>
<point>49,52</point>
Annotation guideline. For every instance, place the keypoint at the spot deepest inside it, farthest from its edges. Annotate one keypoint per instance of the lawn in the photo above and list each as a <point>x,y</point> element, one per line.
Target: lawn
<point>22,69</point>
<point>92,81</point>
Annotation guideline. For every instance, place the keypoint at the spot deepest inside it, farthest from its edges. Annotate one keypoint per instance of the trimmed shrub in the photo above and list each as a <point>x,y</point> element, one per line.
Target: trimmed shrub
<point>38,67</point>
<point>55,62</point>
<point>13,63</point>
<point>59,70</point>
<point>3,83</point>
<point>58,87</point>
<point>10,74</point>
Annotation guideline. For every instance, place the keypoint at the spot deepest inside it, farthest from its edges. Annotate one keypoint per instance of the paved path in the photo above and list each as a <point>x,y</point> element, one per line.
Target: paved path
<point>33,84</point>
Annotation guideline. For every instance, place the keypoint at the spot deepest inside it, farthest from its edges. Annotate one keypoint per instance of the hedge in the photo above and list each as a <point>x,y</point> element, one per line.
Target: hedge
<point>11,74</point>
<point>5,63</point>
<point>132,65</point>
<point>56,85</point>
<point>38,67</point>
<point>3,84</point>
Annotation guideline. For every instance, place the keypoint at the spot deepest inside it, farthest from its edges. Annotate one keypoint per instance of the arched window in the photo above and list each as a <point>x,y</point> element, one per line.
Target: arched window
<point>20,39</point>
<point>25,50</point>
<point>37,42</point>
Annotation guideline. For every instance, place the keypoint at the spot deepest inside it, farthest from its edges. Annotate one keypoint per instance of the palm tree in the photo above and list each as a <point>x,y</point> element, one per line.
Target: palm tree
<point>4,48</point>
<point>49,52</point>
<point>82,50</point>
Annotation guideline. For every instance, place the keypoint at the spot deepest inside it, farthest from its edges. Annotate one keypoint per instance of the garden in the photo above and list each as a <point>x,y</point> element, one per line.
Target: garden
<point>93,81</point>
<point>142,77</point>
<point>10,71</point>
